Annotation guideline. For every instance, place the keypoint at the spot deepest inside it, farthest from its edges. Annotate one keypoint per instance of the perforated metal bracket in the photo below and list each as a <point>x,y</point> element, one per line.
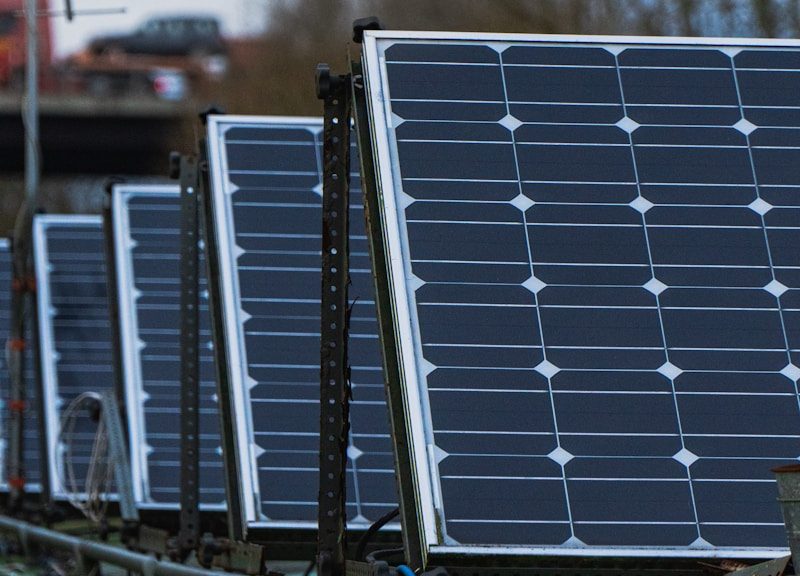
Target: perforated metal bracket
<point>334,368</point>
<point>230,554</point>
<point>17,401</point>
<point>188,535</point>
<point>23,288</point>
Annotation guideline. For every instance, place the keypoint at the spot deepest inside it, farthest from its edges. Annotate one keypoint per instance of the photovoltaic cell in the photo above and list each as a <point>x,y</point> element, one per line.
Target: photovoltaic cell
<point>75,337</point>
<point>147,252</point>
<point>592,249</point>
<point>147,243</point>
<point>31,449</point>
<point>266,204</point>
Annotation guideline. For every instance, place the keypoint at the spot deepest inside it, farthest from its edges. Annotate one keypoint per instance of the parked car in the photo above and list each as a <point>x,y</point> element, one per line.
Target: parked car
<point>167,36</point>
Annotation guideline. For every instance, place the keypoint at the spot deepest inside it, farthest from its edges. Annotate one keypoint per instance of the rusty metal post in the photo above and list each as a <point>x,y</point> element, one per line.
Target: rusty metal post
<point>334,363</point>
<point>788,478</point>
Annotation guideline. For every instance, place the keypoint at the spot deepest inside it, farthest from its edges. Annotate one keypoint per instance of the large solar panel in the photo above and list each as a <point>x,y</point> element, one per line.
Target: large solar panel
<point>595,284</point>
<point>146,222</point>
<point>266,208</point>
<point>31,443</point>
<point>75,336</point>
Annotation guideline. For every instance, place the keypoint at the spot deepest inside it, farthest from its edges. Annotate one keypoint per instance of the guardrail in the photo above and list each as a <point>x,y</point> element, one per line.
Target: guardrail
<point>97,551</point>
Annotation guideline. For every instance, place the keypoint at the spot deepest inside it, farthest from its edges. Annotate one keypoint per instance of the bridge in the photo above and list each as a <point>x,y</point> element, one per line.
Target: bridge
<point>89,135</point>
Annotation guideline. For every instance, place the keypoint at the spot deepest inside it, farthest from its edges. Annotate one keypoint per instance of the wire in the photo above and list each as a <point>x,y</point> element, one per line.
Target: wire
<point>310,568</point>
<point>372,530</point>
<point>90,498</point>
<point>405,570</point>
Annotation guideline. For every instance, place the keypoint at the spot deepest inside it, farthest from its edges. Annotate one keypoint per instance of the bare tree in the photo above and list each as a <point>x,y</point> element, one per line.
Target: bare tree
<point>278,76</point>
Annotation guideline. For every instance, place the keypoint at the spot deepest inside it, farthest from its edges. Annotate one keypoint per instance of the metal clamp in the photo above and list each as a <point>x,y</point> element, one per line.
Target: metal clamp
<point>231,556</point>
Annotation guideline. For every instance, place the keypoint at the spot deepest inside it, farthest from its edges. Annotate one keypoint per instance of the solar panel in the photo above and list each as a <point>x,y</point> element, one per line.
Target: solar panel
<point>266,212</point>
<point>31,443</point>
<point>75,337</point>
<point>146,221</point>
<point>594,284</point>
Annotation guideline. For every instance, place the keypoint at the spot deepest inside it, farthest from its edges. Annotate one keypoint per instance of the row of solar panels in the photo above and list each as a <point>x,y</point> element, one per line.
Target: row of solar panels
<point>267,200</point>
<point>587,269</point>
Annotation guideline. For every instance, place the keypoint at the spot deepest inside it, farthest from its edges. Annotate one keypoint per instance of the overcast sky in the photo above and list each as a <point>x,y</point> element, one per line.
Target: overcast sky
<point>239,17</point>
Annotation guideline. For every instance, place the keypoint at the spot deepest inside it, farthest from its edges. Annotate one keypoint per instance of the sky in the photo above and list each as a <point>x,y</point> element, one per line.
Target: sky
<point>238,17</point>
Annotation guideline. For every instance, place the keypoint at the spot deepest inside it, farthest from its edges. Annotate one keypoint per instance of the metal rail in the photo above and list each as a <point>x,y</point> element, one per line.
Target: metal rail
<point>97,551</point>
<point>334,367</point>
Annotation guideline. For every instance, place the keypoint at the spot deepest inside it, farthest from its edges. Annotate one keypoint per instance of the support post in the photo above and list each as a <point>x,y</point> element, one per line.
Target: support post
<point>788,479</point>
<point>17,401</point>
<point>334,367</point>
<point>188,535</point>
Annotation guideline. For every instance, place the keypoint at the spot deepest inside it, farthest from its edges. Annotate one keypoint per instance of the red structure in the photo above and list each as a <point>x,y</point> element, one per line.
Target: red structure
<point>12,42</point>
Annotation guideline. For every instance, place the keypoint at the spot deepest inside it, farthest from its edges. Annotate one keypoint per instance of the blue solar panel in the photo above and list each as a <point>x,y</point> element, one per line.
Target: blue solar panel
<point>75,337</point>
<point>31,445</point>
<point>594,275</point>
<point>266,205</point>
<point>147,223</point>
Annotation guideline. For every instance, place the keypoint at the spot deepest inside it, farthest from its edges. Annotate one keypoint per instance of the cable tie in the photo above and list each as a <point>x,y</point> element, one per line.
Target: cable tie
<point>17,405</point>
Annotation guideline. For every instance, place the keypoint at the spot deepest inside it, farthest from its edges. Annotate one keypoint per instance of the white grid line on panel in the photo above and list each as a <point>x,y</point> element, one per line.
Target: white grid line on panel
<point>536,302</point>
<point>764,225</point>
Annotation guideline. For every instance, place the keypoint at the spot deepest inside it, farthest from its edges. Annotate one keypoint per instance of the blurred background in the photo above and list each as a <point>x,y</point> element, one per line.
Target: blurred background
<point>123,81</point>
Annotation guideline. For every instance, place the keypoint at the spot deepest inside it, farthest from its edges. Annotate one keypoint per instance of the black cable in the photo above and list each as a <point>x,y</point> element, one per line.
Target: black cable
<point>373,557</point>
<point>310,568</point>
<point>372,530</point>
